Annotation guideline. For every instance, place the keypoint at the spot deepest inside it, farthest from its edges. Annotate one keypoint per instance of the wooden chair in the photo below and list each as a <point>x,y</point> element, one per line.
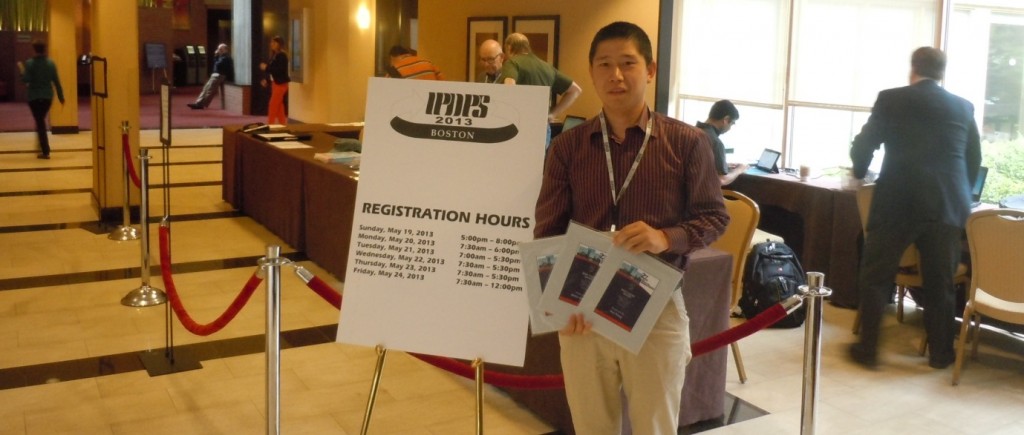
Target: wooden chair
<point>744,215</point>
<point>995,238</point>
<point>909,274</point>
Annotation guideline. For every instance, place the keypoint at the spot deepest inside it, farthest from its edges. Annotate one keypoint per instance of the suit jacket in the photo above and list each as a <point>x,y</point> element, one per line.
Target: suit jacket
<point>932,155</point>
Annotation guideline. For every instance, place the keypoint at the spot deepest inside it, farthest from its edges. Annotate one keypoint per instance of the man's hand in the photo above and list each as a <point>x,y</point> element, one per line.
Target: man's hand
<point>263,66</point>
<point>639,237</point>
<point>263,83</point>
<point>576,326</point>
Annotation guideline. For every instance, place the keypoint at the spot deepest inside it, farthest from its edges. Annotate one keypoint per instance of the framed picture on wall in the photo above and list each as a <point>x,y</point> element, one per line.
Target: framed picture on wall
<point>542,31</point>
<point>181,15</point>
<point>478,30</point>
<point>298,29</point>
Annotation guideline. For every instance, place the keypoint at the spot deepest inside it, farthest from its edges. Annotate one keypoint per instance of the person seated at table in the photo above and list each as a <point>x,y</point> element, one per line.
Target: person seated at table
<point>406,64</point>
<point>721,117</point>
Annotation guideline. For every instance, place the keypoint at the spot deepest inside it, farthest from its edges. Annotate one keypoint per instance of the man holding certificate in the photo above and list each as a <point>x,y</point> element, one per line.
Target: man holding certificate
<point>651,180</point>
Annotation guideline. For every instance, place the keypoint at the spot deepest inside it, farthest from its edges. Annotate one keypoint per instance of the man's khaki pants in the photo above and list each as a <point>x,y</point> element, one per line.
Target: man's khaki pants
<point>596,369</point>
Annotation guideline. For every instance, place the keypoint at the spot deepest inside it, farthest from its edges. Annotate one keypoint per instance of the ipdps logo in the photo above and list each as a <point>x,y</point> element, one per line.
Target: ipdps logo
<point>454,117</point>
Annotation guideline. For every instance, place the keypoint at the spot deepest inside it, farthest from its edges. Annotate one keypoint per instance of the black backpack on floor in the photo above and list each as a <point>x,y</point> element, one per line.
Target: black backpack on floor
<point>772,274</point>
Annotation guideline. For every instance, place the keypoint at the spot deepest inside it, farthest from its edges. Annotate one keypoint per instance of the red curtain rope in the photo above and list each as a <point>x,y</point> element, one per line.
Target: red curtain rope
<point>129,163</point>
<point>172,294</point>
<point>550,382</point>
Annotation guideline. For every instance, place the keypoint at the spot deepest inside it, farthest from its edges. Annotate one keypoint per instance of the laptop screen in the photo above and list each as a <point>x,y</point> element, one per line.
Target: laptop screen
<point>979,184</point>
<point>769,158</point>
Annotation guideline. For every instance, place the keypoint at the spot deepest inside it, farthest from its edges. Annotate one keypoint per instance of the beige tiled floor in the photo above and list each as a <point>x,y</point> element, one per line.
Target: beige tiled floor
<point>324,386</point>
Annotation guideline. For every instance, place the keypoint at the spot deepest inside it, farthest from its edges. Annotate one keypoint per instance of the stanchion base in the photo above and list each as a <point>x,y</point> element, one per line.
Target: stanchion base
<point>144,296</point>
<point>124,234</point>
<point>157,362</point>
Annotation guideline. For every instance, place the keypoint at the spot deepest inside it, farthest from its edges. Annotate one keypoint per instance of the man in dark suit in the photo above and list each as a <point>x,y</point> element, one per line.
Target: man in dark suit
<point>922,196</point>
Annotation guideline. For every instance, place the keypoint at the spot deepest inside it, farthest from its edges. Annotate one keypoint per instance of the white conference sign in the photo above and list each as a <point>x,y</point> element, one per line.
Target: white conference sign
<point>448,183</point>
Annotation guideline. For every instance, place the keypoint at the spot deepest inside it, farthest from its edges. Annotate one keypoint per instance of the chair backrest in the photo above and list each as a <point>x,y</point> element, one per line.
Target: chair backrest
<point>864,194</point>
<point>743,218</point>
<point>995,238</point>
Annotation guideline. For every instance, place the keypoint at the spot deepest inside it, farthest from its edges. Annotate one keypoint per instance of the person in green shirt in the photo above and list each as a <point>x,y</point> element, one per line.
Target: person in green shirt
<point>522,67</point>
<point>40,74</point>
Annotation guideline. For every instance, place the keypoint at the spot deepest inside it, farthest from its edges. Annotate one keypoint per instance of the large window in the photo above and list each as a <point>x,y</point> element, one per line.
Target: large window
<point>805,77</point>
<point>837,54</point>
<point>986,52</point>
<point>734,49</point>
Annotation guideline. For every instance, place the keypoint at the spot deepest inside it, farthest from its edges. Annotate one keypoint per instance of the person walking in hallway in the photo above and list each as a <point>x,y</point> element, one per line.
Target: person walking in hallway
<point>277,73</point>
<point>922,196</point>
<point>40,74</point>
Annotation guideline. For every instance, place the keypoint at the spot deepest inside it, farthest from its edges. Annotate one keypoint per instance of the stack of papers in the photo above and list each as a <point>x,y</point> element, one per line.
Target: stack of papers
<point>622,294</point>
<point>348,157</point>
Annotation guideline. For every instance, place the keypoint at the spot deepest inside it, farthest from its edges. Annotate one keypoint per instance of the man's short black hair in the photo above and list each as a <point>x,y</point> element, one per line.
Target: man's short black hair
<point>723,108</point>
<point>39,46</point>
<point>399,50</point>
<point>928,62</point>
<point>624,30</point>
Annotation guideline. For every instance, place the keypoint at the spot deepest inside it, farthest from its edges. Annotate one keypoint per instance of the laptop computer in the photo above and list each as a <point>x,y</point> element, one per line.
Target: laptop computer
<point>768,163</point>
<point>979,185</point>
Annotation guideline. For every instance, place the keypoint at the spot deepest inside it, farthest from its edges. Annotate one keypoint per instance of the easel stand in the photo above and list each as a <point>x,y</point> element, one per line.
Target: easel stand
<point>478,367</point>
<point>147,295</point>
<point>382,353</point>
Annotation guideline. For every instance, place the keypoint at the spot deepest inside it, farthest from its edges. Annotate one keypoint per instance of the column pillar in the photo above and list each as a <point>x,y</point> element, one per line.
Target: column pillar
<point>114,37</point>
<point>64,54</point>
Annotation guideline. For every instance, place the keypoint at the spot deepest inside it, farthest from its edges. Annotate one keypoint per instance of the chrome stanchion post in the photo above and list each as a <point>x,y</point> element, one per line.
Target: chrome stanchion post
<point>125,232</point>
<point>145,295</point>
<point>814,293</point>
<point>272,264</point>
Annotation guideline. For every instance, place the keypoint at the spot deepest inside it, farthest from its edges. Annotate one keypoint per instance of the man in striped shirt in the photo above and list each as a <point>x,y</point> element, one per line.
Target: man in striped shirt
<point>405,64</point>
<point>670,206</point>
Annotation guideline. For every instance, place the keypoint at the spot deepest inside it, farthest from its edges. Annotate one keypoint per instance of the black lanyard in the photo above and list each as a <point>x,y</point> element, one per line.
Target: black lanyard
<point>632,169</point>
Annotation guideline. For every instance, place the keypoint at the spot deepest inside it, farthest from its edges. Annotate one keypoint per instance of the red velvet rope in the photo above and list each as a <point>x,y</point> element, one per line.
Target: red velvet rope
<point>766,318</point>
<point>498,379</point>
<point>551,382</point>
<point>325,291</point>
<point>129,163</point>
<point>172,294</point>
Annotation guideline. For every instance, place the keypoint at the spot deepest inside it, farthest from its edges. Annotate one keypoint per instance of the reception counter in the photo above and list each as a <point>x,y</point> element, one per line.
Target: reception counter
<point>307,203</point>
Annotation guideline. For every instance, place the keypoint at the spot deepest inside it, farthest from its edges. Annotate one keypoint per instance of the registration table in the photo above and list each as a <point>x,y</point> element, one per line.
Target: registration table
<point>707,295</point>
<point>818,219</point>
<point>307,203</point>
<point>310,204</point>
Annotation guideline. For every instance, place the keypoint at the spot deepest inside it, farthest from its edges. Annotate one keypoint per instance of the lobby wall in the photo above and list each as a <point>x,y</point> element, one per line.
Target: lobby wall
<point>442,34</point>
<point>340,55</point>
<point>339,61</point>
